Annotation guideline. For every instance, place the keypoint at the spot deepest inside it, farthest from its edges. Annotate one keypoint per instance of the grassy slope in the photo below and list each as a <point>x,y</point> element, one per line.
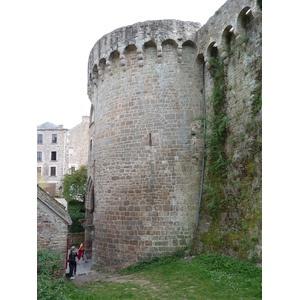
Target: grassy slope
<point>203,277</point>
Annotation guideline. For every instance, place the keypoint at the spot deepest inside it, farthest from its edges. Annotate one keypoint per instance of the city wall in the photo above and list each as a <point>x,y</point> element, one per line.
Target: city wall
<point>147,84</point>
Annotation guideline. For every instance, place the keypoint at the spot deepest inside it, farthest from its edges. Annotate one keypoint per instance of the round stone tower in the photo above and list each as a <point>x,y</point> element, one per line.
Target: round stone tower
<point>143,179</point>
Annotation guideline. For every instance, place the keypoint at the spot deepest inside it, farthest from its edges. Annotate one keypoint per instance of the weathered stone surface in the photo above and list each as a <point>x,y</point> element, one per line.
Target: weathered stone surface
<point>52,223</point>
<point>143,169</point>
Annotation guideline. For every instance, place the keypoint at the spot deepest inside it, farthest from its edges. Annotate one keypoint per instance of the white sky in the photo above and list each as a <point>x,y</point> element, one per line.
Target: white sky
<point>58,36</point>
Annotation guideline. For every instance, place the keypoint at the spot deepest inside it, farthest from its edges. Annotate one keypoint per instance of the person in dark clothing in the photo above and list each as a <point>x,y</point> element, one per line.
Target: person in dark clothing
<point>72,262</point>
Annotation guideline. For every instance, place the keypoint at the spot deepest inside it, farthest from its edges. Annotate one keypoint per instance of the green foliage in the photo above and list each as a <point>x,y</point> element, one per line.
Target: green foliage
<point>244,225</point>
<point>255,240</point>
<point>217,136</point>
<point>246,39</point>
<point>74,184</point>
<point>254,258</point>
<point>256,102</point>
<point>49,286</point>
<point>211,193</point>
<point>47,261</point>
<point>76,211</point>
<point>259,3</point>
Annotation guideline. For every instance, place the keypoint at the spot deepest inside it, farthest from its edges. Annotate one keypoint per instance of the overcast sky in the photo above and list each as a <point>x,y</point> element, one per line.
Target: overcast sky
<point>53,39</point>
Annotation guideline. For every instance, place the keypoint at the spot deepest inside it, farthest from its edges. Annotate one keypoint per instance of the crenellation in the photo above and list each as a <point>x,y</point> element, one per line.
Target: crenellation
<point>139,35</point>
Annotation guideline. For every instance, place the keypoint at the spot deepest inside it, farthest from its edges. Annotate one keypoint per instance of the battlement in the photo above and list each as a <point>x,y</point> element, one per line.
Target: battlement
<point>137,37</point>
<point>226,27</point>
<point>149,90</point>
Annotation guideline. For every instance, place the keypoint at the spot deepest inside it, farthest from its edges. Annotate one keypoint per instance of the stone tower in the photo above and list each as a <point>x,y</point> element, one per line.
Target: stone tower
<point>151,86</point>
<point>143,183</point>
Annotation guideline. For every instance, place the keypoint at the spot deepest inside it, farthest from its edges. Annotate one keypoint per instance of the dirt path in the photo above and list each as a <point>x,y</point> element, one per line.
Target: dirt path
<point>108,277</point>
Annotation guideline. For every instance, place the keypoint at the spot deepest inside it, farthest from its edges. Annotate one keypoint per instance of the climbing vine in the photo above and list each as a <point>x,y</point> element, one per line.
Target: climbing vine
<point>216,138</point>
<point>232,184</point>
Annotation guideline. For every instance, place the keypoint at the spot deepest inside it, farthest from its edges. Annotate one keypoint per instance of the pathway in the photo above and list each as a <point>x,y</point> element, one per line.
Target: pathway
<point>85,274</point>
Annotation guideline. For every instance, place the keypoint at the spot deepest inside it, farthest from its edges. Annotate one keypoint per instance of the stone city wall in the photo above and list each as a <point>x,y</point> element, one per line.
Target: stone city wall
<point>146,90</point>
<point>234,34</point>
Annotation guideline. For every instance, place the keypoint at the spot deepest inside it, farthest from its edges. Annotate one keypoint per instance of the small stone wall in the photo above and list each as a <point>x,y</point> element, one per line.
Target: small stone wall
<point>51,229</point>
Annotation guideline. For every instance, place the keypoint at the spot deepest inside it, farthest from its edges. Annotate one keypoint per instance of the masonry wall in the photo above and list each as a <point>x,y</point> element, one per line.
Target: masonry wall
<point>146,138</point>
<point>51,229</point>
<point>232,224</point>
<point>78,140</point>
<point>146,182</point>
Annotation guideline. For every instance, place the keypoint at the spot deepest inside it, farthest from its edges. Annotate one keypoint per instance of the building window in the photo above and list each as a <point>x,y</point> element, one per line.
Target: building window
<point>72,169</point>
<point>71,150</point>
<point>40,138</point>
<point>52,171</point>
<point>39,170</point>
<point>54,138</point>
<point>53,155</point>
<point>91,145</point>
<point>39,156</point>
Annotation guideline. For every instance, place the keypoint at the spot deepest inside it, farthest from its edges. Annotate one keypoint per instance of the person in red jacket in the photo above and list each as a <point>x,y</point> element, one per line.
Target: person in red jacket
<point>81,251</point>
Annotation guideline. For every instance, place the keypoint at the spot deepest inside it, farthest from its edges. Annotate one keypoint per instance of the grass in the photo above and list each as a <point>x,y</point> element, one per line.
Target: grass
<point>202,277</point>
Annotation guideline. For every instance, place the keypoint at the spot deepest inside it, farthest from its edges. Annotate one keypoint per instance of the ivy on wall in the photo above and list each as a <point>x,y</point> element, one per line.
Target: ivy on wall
<point>216,138</point>
<point>232,188</point>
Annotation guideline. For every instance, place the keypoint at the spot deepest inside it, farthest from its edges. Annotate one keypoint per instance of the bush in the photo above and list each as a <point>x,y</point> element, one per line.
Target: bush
<point>49,284</point>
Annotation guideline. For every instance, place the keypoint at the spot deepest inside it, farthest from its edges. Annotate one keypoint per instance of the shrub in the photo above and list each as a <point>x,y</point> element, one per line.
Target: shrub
<point>49,283</point>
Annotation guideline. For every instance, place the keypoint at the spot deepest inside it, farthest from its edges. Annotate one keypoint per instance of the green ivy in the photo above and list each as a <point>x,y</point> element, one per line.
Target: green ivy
<point>216,139</point>
<point>259,3</point>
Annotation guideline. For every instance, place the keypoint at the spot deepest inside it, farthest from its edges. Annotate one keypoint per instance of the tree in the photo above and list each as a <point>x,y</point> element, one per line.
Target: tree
<point>74,184</point>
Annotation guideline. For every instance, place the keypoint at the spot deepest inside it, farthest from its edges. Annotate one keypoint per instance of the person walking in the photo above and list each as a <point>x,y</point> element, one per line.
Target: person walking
<point>81,251</point>
<point>72,262</point>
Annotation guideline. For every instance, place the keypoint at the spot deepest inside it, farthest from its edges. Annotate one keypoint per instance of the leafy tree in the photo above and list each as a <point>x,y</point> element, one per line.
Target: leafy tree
<point>74,184</point>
